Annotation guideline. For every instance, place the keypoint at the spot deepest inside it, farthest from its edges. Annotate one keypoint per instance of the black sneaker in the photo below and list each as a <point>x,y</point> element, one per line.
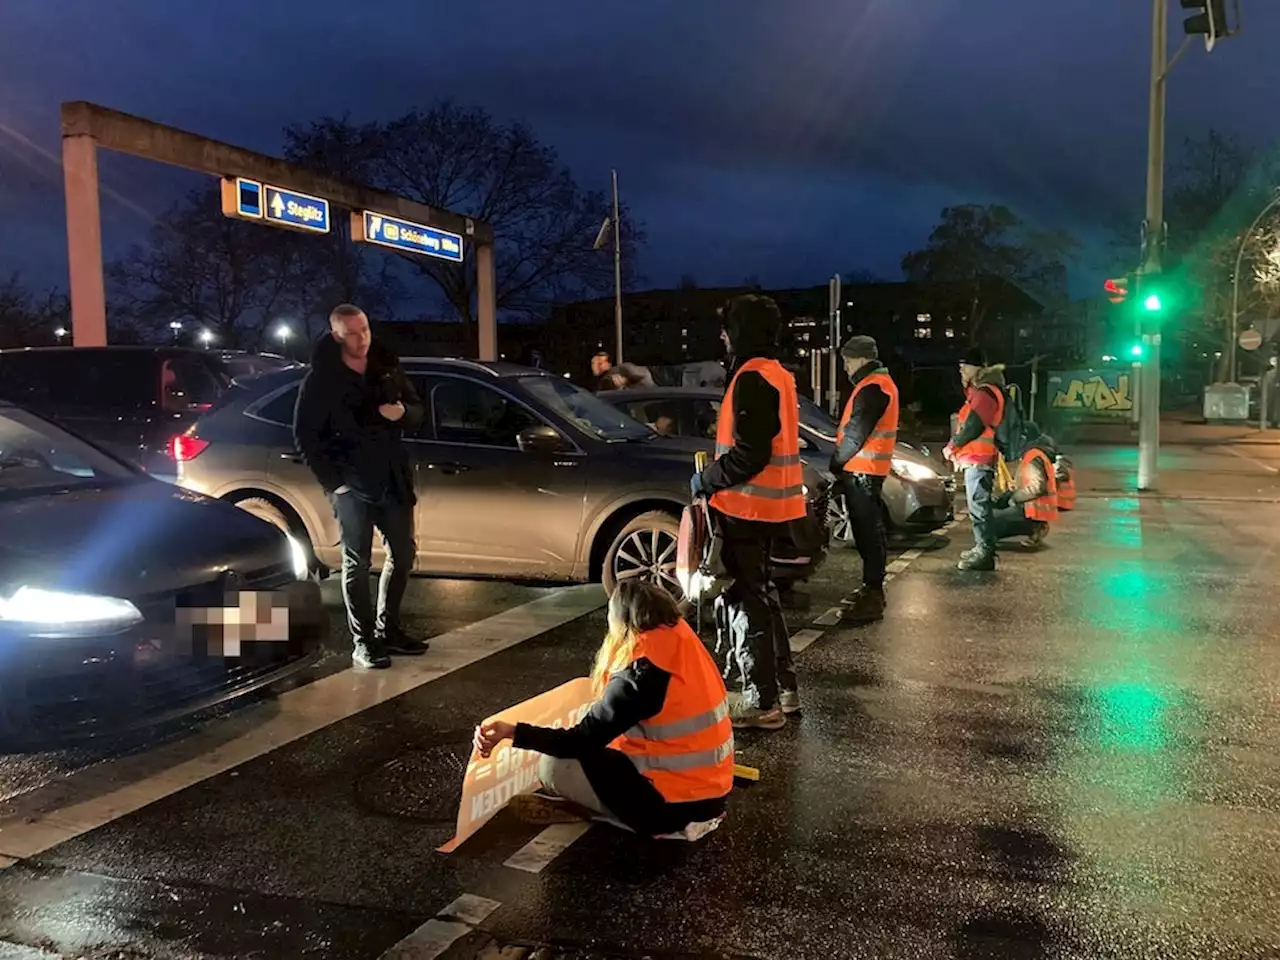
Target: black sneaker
<point>369,656</point>
<point>400,644</point>
<point>985,561</point>
<point>867,607</point>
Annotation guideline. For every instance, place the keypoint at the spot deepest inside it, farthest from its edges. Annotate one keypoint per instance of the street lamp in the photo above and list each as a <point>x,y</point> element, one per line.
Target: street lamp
<point>206,338</point>
<point>283,333</point>
<point>60,334</point>
<point>176,327</point>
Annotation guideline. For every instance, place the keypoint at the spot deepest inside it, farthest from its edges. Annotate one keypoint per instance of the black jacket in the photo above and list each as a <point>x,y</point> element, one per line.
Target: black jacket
<point>341,434</point>
<point>634,694</point>
<point>868,407</point>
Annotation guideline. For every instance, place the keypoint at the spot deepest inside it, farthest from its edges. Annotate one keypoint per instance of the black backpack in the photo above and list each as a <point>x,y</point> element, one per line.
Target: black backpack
<point>1009,438</point>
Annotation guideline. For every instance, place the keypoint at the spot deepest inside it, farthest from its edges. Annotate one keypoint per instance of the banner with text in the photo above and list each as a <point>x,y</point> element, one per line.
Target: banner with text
<point>1091,393</point>
<point>489,785</point>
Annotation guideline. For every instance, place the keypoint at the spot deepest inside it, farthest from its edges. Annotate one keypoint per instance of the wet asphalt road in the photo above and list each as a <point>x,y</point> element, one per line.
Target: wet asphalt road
<point>1074,757</point>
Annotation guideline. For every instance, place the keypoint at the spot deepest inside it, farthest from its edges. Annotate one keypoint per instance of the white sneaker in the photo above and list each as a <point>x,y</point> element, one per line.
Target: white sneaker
<point>789,701</point>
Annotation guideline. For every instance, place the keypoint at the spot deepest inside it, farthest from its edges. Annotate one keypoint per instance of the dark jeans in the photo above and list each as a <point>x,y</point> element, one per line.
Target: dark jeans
<point>979,484</point>
<point>357,518</point>
<point>1012,522</point>
<point>750,623</point>
<point>866,519</point>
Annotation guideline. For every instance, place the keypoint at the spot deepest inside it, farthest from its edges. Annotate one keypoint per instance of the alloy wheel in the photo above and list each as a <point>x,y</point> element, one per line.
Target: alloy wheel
<point>649,555</point>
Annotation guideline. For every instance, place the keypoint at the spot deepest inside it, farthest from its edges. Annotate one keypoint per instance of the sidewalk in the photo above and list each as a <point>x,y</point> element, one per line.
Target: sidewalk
<point>1174,430</point>
<point>1185,472</point>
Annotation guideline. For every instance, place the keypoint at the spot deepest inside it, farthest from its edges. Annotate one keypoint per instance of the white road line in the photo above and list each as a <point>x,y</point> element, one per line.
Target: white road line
<point>828,619</point>
<point>898,566</point>
<point>444,930</point>
<point>534,856</point>
<point>915,553</point>
<point>803,638</point>
<point>1257,463</point>
<point>37,821</point>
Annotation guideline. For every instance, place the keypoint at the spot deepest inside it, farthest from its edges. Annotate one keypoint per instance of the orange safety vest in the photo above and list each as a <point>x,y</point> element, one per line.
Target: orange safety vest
<point>686,749</point>
<point>1067,491</point>
<point>982,451</point>
<point>875,457</point>
<point>1045,508</point>
<point>776,493</point>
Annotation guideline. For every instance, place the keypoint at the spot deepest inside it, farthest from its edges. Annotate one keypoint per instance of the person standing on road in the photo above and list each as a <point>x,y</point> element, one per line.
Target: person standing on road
<point>756,491</point>
<point>974,449</point>
<point>353,406</point>
<point>863,456</point>
<point>654,753</point>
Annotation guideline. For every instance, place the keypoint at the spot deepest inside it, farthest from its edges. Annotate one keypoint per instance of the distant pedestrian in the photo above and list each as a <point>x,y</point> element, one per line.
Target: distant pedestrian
<point>974,449</point>
<point>354,404</point>
<point>863,457</point>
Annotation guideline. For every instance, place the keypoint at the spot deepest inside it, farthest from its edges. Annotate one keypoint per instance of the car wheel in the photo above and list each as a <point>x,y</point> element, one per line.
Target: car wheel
<point>838,519</point>
<point>264,509</point>
<point>645,549</point>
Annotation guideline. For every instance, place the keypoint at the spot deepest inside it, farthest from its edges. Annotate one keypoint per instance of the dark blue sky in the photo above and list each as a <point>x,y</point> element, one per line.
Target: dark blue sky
<point>784,138</point>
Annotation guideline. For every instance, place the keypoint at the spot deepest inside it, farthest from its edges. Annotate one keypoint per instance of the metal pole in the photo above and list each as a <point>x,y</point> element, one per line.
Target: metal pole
<point>1149,410</point>
<point>833,335</point>
<point>1235,289</point>
<point>617,270</point>
<point>1035,363</point>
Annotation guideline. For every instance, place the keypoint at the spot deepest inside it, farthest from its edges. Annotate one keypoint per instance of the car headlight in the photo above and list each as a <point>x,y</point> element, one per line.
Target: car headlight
<point>54,612</point>
<point>910,470</point>
<point>301,564</point>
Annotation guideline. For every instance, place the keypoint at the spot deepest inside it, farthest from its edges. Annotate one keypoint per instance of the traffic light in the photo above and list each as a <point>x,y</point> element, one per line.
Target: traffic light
<point>1153,303</point>
<point>1210,22</point>
<point>1136,351</point>
<point>1117,289</point>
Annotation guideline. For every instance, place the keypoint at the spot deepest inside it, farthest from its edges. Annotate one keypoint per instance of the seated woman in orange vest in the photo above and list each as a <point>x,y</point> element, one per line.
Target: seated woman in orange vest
<point>655,752</point>
<point>1027,510</point>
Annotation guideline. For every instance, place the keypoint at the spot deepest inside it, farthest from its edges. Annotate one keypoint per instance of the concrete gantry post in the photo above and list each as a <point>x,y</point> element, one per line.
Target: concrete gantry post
<point>486,302</point>
<point>84,242</point>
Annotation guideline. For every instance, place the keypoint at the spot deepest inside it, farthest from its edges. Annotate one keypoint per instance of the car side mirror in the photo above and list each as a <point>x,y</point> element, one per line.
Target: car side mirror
<point>540,439</point>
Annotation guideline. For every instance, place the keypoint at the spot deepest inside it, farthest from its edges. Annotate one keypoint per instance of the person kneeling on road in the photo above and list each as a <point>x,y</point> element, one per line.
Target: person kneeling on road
<point>865,442</point>
<point>1027,510</point>
<point>655,753</point>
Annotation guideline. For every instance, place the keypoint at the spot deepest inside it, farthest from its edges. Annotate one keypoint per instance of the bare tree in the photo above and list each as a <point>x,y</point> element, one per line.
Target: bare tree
<point>29,320</point>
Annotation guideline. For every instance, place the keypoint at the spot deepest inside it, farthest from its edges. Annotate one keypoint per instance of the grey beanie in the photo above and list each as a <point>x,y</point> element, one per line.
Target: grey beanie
<point>864,347</point>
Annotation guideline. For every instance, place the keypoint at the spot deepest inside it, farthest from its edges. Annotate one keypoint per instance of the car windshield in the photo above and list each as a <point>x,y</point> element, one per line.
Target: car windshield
<point>37,457</point>
<point>585,410</point>
<point>817,419</point>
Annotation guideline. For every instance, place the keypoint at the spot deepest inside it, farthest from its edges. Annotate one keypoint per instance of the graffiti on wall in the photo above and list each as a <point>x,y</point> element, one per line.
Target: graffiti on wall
<point>1095,392</point>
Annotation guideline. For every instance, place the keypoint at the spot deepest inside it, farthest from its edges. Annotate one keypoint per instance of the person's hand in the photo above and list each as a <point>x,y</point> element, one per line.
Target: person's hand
<point>392,411</point>
<point>696,491</point>
<point>948,453</point>
<point>1003,500</point>
<point>489,735</point>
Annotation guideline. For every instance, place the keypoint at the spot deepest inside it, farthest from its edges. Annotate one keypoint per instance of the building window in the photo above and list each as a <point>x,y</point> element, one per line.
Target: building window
<point>924,318</point>
<point>949,333</point>
<point>923,333</point>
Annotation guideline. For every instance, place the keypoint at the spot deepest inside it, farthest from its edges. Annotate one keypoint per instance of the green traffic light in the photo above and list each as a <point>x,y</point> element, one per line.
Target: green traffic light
<point>1152,303</point>
<point>1135,350</point>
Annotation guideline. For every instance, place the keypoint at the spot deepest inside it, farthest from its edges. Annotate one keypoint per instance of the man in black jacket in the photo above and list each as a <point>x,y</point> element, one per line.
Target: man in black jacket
<point>352,408</point>
<point>749,616</point>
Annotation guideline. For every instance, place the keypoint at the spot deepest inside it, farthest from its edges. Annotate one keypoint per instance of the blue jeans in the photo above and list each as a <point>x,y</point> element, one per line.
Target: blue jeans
<point>979,484</point>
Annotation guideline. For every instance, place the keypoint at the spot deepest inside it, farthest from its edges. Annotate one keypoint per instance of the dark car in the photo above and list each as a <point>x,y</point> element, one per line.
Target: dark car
<point>112,584</point>
<point>129,399</point>
<point>520,475</point>
<point>918,493</point>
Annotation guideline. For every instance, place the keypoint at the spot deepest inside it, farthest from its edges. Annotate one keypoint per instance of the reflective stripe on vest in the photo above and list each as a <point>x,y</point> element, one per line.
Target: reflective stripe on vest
<point>982,451</point>
<point>686,749</point>
<point>1045,508</point>
<point>875,456</point>
<point>776,493</point>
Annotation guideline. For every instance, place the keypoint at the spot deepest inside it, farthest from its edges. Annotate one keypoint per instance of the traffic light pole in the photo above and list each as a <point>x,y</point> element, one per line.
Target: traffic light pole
<point>1149,382</point>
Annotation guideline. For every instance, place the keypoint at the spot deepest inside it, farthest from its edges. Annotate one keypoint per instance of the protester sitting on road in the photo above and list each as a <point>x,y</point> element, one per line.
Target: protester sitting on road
<point>655,753</point>
<point>1028,509</point>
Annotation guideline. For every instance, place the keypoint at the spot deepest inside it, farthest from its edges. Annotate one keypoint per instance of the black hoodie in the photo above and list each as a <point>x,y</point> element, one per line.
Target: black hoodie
<point>341,434</point>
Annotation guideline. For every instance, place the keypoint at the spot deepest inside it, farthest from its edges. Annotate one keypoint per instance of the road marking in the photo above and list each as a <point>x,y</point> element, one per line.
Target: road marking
<point>915,553</point>
<point>897,566</point>
<point>41,819</point>
<point>534,856</point>
<point>1257,463</point>
<point>828,619</point>
<point>445,929</point>
<point>803,638</point>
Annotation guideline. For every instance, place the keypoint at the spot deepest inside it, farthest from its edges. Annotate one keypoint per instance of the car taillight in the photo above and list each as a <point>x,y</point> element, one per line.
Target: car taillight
<point>185,447</point>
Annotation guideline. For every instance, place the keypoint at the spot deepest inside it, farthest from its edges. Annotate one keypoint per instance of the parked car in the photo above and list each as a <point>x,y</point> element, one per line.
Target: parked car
<point>106,577</point>
<point>129,399</point>
<point>918,494</point>
<point>520,475</point>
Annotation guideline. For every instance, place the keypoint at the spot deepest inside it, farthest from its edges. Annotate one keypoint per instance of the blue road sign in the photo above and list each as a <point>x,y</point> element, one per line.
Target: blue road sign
<point>411,237</point>
<point>298,210</point>
<point>249,198</point>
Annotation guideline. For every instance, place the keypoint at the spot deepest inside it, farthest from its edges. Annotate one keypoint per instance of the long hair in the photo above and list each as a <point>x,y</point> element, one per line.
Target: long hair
<point>635,608</point>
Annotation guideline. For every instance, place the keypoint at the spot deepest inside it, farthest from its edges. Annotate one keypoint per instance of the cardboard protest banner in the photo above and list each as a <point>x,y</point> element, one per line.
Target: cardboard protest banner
<point>489,785</point>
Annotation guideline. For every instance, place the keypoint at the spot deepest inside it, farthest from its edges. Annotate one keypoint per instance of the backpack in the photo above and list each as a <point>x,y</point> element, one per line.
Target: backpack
<point>1009,432</point>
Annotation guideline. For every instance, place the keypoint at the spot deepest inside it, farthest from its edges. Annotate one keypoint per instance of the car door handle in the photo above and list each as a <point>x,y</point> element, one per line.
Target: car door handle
<point>292,457</point>
<point>449,468</point>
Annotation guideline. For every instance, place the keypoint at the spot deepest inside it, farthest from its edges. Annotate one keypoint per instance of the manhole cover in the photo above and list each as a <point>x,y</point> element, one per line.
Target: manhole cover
<point>423,785</point>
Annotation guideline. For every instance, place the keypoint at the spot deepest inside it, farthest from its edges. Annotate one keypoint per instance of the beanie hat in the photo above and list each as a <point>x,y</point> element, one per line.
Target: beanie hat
<point>859,346</point>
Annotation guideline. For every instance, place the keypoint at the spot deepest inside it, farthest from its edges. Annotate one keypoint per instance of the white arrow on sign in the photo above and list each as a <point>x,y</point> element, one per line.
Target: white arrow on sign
<point>375,224</point>
<point>277,205</point>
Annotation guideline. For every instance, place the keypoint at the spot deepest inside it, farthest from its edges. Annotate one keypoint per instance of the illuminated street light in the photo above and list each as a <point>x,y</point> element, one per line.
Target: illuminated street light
<point>60,333</point>
<point>206,337</point>
<point>283,333</point>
